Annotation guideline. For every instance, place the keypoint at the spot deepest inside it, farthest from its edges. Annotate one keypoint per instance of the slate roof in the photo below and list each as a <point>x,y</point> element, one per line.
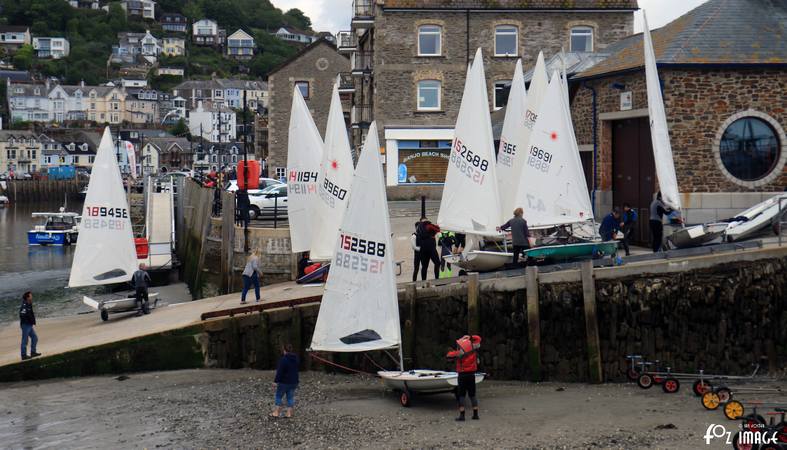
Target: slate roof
<point>718,32</point>
<point>511,4</point>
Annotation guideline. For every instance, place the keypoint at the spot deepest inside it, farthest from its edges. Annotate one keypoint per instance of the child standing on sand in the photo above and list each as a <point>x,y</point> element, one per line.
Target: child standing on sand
<point>286,380</point>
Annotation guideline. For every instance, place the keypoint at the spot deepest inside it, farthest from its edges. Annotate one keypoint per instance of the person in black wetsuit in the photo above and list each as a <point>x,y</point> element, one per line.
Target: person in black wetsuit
<point>425,239</point>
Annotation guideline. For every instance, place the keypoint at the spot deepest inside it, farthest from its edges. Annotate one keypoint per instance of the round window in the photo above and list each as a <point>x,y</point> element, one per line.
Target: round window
<point>749,149</point>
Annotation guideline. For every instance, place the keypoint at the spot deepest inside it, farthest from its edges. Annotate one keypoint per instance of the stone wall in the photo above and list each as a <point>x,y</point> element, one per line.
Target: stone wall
<point>318,66</point>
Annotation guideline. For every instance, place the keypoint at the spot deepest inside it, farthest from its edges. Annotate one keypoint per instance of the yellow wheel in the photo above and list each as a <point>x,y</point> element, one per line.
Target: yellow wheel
<point>710,400</point>
<point>733,410</point>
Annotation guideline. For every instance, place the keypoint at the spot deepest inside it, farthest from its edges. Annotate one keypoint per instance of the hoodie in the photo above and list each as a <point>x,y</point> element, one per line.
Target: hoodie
<point>287,370</point>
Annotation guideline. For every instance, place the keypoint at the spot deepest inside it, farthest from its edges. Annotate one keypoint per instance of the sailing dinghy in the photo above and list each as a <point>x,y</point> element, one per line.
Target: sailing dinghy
<point>758,217</point>
<point>304,155</point>
<point>359,311</point>
<point>105,252</point>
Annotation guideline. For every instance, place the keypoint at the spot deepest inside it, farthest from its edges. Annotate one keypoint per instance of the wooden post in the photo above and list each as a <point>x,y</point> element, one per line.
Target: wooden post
<point>533,324</point>
<point>473,309</point>
<point>591,322</point>
<point>296,334</point>
<point>408,340</point>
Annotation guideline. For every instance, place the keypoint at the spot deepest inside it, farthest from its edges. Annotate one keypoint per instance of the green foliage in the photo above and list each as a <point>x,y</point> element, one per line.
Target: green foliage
<point>298,19</point>
<point>23,58</point>
<point>180,128</point>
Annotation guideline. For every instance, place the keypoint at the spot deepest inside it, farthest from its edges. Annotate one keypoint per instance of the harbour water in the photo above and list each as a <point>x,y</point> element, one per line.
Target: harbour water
<point>42,270</point>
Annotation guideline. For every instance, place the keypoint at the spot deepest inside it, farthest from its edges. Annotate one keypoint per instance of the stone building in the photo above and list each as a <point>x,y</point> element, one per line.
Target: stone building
<point>19,152</point>
<point>420,51</point>
<point>726,111</point>
<point>314,71</point>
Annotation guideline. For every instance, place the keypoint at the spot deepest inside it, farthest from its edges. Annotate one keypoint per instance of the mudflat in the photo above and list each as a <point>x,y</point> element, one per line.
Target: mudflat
<point>212,408</point>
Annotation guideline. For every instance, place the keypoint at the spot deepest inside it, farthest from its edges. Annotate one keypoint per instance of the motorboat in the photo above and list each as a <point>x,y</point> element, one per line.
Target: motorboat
<point>56,228</point>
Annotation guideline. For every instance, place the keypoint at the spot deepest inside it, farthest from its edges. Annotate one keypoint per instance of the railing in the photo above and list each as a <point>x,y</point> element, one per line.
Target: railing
<point>362,62</point>
<point>363,9</point>
<point>346,39</point>
<point>346,81</point>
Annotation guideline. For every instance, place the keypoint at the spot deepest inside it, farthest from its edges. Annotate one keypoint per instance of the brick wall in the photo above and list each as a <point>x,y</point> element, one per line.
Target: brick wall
<point>319,67</point>
<point>397,67</point>
<point>698,102</point>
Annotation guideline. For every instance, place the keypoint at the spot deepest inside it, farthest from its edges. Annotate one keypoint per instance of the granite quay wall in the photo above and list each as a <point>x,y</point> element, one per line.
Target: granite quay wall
<point>35,190</point>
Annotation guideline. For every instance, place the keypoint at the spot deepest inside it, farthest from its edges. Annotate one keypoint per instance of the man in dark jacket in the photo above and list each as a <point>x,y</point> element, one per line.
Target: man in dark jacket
<point>657,211</point>
<point>627,224</point>
<point>141,281</point>
<point>519,233</point>
<point>425,240</point>
<point>27,320</point>
<point>610,225</point>
<point>286,380</point>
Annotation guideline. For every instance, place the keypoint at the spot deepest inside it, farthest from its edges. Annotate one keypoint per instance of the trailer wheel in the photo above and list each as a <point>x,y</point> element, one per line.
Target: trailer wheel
<point>404,399</point>
<point>632,374</point>
<point>710,400</point>
<point>671,385</point>
<point>724,393</point>
<point>700,387</point>
<point>104,315</point>
<point>645,381</point>
<point>733,410</point>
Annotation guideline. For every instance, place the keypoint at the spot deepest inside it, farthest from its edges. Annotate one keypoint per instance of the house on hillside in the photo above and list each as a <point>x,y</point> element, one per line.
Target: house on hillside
<point>174,22</point>
<point>145,9</point>
<point>170,71</point>
<point>207,33</point>
<point>142,106</point>
<point>313,71</point>
<point>165,154</point>
<point>725,117</point>
<point>292,34</point>
<point>227,92</point>
<point>51,47</point>
<point>133,45</point>
<point>14,36</point>
<point>173,46</point>
<point>240,45</point>
<point>214,123</point>
<point>19,152</point>
<point>85,4</point>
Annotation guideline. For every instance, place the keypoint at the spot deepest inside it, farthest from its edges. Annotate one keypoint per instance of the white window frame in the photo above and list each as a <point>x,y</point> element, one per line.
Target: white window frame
<point>439,34</point>
<point>439,96</point>
<point>281,172</point>
<point>584,29</point>
<point>494,92</point>
<point>507,32</point>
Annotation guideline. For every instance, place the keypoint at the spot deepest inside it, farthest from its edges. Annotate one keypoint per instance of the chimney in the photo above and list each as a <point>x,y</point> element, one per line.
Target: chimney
<point>82,83</point>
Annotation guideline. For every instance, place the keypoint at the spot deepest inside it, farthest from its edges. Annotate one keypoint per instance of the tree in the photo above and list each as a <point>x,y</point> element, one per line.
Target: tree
<point>180,128</point>
<point>297,18</point>
<point>193,12</point>
<point>23,58</point>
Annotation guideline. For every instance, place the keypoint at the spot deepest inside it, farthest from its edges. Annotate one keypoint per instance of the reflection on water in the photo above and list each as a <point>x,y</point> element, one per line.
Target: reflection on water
<point>41,269</point>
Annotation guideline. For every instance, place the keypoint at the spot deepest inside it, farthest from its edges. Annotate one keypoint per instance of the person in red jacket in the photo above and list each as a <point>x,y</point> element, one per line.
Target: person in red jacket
<point>466,357</point>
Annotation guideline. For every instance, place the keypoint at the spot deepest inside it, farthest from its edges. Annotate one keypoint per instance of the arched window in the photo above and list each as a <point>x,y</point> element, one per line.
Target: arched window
<point>750,149</point>
<point>506,40</point>
<point>429,40</point>
<point>581,39</point>
<point>429,95</point>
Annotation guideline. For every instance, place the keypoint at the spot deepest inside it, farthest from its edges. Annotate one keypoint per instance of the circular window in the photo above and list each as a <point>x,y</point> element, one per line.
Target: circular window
<point>749,149</point>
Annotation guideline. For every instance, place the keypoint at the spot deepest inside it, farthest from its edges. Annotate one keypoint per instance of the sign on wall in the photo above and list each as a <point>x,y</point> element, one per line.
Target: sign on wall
<point>626,101</point>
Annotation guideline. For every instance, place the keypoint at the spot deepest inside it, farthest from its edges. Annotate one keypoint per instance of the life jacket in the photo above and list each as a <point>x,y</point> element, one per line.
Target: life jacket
<point>467,353</point>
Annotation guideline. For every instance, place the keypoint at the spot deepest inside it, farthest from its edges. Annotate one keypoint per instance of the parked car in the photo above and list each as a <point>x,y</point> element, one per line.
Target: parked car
<point>269,202</point>
<point>265,183</point>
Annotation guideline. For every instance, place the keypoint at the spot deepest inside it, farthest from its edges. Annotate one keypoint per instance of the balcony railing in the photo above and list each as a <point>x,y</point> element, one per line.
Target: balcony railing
<point>362,62</point>
<point>363,9</point>
<point>346,82</point>
<point>348,40</point>
<point>361,116</point>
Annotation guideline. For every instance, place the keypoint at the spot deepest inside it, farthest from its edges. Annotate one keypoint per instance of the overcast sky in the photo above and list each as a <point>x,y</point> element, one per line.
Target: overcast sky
<point>334,15</point>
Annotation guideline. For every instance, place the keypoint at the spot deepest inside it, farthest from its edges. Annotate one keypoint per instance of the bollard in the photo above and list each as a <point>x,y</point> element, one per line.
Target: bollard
<point>533,324</point>
<point>591,322</point>
<point>473,309</point>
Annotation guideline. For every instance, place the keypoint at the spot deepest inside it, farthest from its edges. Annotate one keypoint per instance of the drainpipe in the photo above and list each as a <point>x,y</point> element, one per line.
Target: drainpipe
<point>595,146</point>
<point>467,37</point>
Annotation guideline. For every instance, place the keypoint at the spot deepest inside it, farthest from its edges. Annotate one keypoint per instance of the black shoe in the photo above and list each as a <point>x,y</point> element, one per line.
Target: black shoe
<point>24,357</point>
<point>461,418</point>
<point>475,417</point>
<point>34,354</point>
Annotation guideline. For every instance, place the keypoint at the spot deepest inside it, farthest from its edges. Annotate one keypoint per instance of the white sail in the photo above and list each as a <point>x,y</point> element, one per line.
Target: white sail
<point>470,201</point>
<point>521,113</point>
<point>333,185</point>
<point>359,309</point>
<point>105,252</point>
<point>659,135</point>
<point>553,189</point>
<point>304,155</point>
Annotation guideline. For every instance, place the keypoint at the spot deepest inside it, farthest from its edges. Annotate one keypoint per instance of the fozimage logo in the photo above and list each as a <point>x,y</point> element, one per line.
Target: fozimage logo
<point>754,434</point>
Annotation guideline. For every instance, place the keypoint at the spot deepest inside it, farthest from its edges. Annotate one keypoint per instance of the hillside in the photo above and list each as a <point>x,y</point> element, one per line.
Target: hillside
<point>92,34</point>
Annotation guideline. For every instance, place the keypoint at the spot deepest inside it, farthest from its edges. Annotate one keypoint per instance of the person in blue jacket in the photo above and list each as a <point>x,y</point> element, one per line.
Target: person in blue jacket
<point>610,225</point>
<point>627,224</point>
<point>286,380</point>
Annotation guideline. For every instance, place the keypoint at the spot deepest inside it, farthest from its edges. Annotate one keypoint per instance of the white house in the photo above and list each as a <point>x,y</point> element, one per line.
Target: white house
<point>205,32</point>
<point>140,8</point>
<point>293,34</point>
<point>28,101</point>
<point>12,36</point>
<point>215,123</point>
<point>51,47</point>
<point>171,71</point>
<point>240,45</point>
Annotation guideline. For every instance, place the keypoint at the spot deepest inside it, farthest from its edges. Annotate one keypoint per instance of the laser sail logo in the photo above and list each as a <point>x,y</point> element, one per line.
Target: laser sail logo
<point>752,434</point>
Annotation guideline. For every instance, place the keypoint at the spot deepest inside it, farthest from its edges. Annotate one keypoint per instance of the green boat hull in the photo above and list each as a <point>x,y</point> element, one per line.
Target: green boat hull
<point>570,251</point>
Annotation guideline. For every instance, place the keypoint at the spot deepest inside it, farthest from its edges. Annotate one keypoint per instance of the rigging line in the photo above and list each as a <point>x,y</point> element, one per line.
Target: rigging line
<point>395,360</point>
<point>331,363</point>
<point>374,362</point>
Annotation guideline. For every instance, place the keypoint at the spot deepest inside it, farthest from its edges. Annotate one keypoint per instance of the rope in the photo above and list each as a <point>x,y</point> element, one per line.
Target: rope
<point>373,362</point>
<point>331,363</point>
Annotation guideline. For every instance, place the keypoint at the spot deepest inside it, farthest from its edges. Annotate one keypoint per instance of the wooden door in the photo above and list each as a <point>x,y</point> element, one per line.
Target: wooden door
<point>633,171</point>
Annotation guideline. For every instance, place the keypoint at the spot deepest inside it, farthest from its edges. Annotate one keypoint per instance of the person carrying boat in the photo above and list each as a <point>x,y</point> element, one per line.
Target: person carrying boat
<point>425,239</point>
<point>610,225</point>
<point>416,251</point>
<point>466,357</point>
<point>519,233</point>
<point>627,223</point>
<point>27,320</point>
<point>657,211</point>
<point>141,281</point>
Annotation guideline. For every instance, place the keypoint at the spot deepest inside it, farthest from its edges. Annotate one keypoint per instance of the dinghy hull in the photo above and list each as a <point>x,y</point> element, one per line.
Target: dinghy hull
<point>480,261</point>
<point>569,251</point>
<point>696,235</point>
<point>422,381</point>
<point>760,216</point>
